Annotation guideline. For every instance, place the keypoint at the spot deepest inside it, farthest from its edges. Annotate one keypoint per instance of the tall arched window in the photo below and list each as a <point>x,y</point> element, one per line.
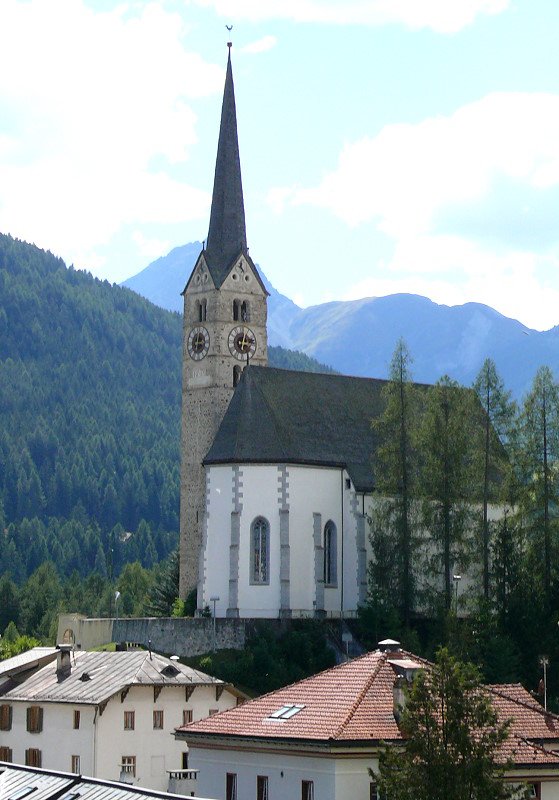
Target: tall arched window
<point>260,551</point>
<point>202,310</point>
<point>241,311</point>
<point>330,554</point>
<point>236,375</point>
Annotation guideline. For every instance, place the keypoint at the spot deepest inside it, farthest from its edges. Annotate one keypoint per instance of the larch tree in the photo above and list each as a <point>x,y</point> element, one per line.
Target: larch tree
<point>394,521</point>
<point>537,454</point>
<point>445,444</point>
<point>498,415</point>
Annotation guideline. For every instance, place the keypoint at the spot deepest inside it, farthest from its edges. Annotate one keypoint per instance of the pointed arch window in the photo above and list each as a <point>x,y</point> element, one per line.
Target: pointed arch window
<point>260,551</point>
<point>236,375</point>
<point>330,554</point>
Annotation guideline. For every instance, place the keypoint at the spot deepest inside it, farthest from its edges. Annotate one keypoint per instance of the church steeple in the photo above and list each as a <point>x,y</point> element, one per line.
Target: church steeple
<point>227,232</point>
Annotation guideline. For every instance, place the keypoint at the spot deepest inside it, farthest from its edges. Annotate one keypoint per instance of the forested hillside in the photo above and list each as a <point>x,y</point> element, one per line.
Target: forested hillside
<point>89,419</point>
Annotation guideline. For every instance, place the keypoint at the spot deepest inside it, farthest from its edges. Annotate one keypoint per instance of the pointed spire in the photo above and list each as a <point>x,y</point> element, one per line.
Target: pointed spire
<point>227,233</point>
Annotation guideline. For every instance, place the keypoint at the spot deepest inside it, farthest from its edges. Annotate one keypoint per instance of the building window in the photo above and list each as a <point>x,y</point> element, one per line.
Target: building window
<point>34,720</point>
<point>374,793</point>
<point>330,554</point>
<point>186,716</point>
<point>128,765</point>
<point>236,375</point>
<point>241,311</point>
<point>307,790</point>
<point>75,765</point>
<point>261,787</point>
<point>33,757</point>
<point>202,310</point>
<point>5,718</point>
<point>76,719</point>
<point>6,754</point>
<point>260,551</point>
<point>213,711</point>
<point>231,786</point>
<point>158,720</point>
<point>184,760</point>
<point>129,720</point>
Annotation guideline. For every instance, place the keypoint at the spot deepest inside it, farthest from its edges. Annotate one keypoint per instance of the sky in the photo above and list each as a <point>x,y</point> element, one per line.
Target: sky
<point>386,145</point>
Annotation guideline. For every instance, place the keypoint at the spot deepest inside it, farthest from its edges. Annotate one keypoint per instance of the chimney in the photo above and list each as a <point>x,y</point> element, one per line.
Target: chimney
<point>63,661</point>
<point>399,696</point>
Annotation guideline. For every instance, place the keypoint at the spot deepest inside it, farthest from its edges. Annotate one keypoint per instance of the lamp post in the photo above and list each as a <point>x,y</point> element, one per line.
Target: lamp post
<point>214,600</point>
<point>117,595</point>
<point>456,579</point>
<point>544,662</point>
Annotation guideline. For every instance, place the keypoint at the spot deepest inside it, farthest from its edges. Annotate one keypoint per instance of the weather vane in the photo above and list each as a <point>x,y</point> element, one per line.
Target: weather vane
<point>229,28</point>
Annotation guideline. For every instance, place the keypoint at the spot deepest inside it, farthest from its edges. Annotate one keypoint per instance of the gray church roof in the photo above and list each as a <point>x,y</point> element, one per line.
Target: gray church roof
<point>281,416</point>
<point>227,232</point>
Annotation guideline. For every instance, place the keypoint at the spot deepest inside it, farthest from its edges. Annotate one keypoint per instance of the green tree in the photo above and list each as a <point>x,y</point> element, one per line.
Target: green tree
<point>444,440</point>
<point>498,415</point>
<point>452,739</point>
<point>394,520</point>
<point>537,455</point>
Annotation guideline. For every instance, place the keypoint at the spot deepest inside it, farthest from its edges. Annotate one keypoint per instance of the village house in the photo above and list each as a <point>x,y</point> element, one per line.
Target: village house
<point>317,739</point>
<point>109,715</point>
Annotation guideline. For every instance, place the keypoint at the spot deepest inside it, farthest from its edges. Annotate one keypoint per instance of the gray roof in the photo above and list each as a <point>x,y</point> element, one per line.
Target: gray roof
<point>282,416</point>
<point>108,674</point>
<point>227,232</point>
<point>27,660</point>
<point>50,785</point>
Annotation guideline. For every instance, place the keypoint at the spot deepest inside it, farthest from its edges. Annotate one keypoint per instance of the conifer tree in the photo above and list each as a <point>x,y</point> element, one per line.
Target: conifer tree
<point>537,453</point>
<point>499,412</point>
<point>394,520</point>
<point>452,738</point>
<point>445,444</point>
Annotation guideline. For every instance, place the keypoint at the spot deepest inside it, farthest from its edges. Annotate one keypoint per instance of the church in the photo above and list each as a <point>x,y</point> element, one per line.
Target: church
<point>277,471</point>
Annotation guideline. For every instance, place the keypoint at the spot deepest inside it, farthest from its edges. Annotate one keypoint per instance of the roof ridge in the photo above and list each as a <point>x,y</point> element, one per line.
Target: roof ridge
<point>533,706</point>
<point>358,700</point>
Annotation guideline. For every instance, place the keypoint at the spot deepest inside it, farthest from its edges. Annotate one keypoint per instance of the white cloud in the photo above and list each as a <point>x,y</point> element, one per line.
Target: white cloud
<point>93,101</point>
<point>404,177</point>
<point>261,45</point>
<point>443,16</point>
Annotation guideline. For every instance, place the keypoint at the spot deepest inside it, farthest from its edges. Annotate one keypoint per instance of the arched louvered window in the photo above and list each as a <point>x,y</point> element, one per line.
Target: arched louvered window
<point>330,554</point>
<point>202,310</point>
<point>260,551</point>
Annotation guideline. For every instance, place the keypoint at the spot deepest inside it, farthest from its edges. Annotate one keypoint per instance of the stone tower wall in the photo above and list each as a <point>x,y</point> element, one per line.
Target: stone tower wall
<point>208,388</point>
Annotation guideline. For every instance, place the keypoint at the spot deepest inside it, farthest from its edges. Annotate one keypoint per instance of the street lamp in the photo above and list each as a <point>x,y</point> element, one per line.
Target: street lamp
<point>456,579</point>
<point>214,600</point>
<point>544,662</point>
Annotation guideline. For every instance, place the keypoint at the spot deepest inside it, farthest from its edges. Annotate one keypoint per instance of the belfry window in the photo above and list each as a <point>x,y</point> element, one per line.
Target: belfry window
<point>241,311</point>
<point>260,551</point>
<point>236,375</point>
<point>202,310</point>
<point>330,554</point>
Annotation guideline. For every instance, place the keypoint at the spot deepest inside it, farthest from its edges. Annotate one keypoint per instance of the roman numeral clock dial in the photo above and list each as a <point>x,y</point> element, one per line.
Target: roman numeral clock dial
<point>242,343</point>
<point>198,343</point>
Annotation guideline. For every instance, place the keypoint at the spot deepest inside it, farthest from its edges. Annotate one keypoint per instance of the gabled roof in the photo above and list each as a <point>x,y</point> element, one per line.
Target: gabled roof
<point>352,704</point>
<point>283,416</point>
<point>227,232</point>
<point>97,676</point>
<point>28,660</point>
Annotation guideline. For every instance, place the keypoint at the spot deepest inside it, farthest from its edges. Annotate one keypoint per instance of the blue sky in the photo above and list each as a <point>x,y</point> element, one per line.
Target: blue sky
<point>386,145</point>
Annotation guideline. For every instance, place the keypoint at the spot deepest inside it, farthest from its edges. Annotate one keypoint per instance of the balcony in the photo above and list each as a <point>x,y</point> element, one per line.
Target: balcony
<point>182,781</point>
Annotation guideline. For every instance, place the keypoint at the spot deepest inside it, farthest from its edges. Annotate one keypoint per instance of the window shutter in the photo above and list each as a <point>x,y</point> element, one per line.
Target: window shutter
<point>5,718</point>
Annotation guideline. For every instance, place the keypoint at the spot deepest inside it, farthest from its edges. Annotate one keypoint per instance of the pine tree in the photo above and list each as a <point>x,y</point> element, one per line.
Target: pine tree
<point>452,738</point>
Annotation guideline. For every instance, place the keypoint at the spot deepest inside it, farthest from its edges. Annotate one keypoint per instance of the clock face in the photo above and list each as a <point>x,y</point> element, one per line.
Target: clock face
<point>242,343</point>
<point>198,343</point>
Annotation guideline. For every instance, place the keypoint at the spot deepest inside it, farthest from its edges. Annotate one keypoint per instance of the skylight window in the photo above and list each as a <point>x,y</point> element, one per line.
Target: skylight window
<point>23,792</point>
<point>286,712</point>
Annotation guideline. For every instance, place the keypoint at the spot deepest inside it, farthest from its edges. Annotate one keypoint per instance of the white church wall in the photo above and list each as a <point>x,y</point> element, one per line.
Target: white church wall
<point>215,555</point>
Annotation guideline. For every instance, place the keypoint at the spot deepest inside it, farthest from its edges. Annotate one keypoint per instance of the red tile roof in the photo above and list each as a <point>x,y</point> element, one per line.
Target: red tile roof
<point>353,703</point>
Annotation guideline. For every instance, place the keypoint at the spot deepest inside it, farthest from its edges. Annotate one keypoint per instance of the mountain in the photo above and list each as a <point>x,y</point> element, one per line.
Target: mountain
<point>90,403</point>
<point>358,337</point>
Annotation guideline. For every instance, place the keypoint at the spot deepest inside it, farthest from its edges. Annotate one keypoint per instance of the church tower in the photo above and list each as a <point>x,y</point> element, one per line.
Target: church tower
<point>224,329</point>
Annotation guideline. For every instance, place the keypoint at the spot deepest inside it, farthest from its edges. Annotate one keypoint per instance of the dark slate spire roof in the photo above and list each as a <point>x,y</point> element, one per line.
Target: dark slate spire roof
<point>227,233</point>
<point>281,416</point>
